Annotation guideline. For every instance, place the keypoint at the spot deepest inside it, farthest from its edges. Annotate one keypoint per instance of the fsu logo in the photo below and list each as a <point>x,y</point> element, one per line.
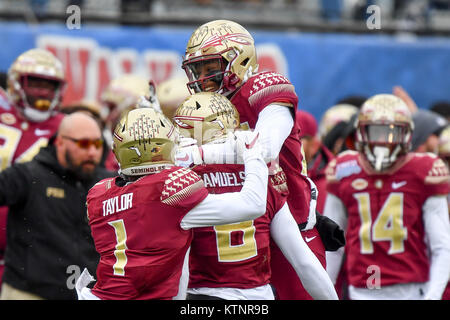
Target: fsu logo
<point>8,118</point>
<point>216,40</point>
<point>360,184</point>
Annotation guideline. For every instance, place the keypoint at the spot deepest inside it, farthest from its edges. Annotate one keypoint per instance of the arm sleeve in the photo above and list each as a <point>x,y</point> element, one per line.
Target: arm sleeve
<point>286,234</point>
<point>275,123</point>
<point>335,210</point>
<point>248,204</point>
<point>437,229</point>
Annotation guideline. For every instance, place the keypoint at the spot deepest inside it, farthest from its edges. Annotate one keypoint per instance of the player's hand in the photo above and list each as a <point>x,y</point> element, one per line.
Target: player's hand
<point>187,153</point>
<point>186,142</point>
<point>404,95</point>
<point>248,145</point>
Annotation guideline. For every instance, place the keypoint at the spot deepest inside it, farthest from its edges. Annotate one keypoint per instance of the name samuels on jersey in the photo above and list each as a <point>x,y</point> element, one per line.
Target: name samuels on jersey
<point>118,204</point>
<point>223,179</point>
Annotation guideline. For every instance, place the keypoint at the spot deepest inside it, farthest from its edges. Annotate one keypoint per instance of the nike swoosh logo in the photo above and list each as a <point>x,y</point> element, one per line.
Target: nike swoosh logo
<point>249,146</point>
<point>396,185</point>
<point>40,132</point>
<point>307,239</point>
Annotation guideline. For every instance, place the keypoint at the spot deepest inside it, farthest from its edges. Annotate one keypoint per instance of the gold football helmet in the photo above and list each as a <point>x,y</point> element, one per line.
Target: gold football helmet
<point>123,94</point>
<point>334,115</point>
<point>383,130</point>
<point>206,117</point>
<point>444,145</point>
<point>144,141</point>
<point>171,93</point>
<point>220,56</point>
<point>36,83</point>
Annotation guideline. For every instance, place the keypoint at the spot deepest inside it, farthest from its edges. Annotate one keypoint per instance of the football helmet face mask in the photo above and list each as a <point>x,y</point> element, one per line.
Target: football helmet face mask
<point>219,57</point>
<point>383,130</point>
<point>144,142</point>
<point>207,117</point>
<point>36,83</point>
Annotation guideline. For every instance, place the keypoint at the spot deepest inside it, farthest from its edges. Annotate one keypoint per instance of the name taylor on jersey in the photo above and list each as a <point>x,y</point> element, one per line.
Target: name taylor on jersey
<point>117,204</point>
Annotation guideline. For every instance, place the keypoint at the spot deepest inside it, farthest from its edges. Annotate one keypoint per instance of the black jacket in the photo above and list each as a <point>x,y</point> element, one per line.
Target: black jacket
<point>48,235</point>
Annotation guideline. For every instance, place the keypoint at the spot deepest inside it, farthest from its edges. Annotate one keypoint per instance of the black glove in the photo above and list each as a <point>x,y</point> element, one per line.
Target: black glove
<point>331,234</point>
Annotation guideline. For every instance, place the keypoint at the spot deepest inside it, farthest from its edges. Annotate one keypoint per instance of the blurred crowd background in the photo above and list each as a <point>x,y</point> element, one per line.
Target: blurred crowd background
<point>423,16</point>
<point>325,47</point>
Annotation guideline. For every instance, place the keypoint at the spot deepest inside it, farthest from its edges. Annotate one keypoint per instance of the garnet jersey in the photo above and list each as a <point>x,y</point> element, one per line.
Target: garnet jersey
<point>234,255</point>
<point>136,230</point>
<point>21,140</point>
<point>250,99</point>
<point>385,226</point>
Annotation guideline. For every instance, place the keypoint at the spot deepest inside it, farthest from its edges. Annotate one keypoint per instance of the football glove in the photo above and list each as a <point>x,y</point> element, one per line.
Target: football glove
<point>188,153</point>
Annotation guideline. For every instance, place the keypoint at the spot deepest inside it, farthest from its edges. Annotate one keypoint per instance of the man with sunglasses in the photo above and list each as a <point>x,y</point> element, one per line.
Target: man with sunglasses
<point>48,236</point>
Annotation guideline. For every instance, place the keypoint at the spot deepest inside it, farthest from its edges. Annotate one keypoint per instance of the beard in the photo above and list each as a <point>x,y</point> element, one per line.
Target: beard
<point>80,171</point>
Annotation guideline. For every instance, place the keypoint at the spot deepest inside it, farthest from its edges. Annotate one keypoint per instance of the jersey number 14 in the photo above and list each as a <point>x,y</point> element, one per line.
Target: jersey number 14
<point>388,225</point>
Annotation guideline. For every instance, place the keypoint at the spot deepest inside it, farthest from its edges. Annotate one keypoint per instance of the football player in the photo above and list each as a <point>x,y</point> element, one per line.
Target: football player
<point>444,154</point>
<point>317,155</point>
<point>392,204</point>
<point>28,113</point>
<point>221,57</point>
<point>142,220</point>
<point>123,94</point>
<point>233,261</point>
<point>171,94</point>
<point>333,125</point>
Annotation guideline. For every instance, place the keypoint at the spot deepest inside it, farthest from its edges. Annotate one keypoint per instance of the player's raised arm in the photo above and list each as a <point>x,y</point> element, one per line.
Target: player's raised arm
<point>249,203</point>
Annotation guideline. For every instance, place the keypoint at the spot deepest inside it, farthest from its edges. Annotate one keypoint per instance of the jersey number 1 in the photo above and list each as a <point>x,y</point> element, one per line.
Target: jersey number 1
<point>121,246</point>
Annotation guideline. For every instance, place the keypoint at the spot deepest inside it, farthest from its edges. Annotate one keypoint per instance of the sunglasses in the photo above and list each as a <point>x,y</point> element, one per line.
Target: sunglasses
<point>86,143</point>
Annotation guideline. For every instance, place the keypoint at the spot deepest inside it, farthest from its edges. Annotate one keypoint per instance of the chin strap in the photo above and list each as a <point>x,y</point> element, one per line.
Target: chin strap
<point>230,82</point>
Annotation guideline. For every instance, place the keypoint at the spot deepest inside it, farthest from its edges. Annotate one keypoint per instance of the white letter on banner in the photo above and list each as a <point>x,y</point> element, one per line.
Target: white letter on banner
<point>74,20</point>
<point>374,21</point>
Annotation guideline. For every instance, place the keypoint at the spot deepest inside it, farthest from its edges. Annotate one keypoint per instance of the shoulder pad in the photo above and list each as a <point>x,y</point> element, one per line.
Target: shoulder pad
<point>345,164</point>
<point>438,172</point>
<point>179,185</point>
<point>264,80</point>
<point>266,84</point>
<point>347,153</point>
